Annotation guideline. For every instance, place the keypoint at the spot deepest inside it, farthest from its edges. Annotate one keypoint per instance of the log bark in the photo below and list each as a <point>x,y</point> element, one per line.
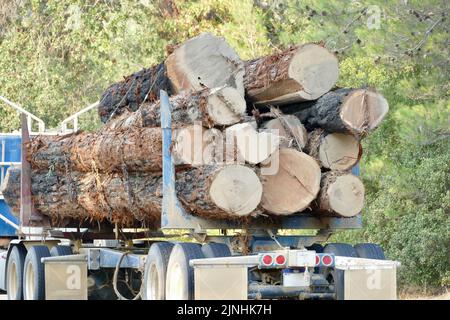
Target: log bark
<point>345,110</point>
<point>341,194</point>
<point>292,185</point>
<point>212,191</point>
<point>334,151</point>
<point>133,149</point>
<point>129,94</point>
<point>210,107</point>
<point>205,61</point>
<point>300,73</point>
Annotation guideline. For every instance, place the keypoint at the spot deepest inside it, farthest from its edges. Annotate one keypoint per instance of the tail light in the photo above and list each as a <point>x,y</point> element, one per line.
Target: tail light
<point>272,260</point>
<point>327,260</point>
<point>324,260</point>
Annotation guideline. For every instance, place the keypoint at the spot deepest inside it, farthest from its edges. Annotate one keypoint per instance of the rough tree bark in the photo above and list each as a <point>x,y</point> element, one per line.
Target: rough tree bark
<point>341,194</point>
<point>335,151</point>
<point>345,110</point>
<point>292,185</point>
<point>299,73</point>
<point>135,89</point>
<point>228,192</point>
<point>133,149</point>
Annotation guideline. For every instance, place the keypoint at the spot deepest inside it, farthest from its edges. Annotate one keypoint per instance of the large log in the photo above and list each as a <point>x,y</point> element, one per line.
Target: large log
<point>292,185</point>
<point>203,61</point>
<point>345,110</point>
<point>334,151</point>
<point>300,73</point>
<point>211,191</point>
<point>211,107</point>
<point>341,194</point>
<point>132,149</point>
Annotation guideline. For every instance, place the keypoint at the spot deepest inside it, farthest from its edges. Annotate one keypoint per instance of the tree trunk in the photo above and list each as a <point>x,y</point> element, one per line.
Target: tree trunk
<point>210,107</point>
<point>347,111</point>
<point>133,149</point>
<point>341,194</point>
<point>292,184</point>
<point>129,94</point>
<point>334,151</point>
<point>300,73</point>
<point>211,191</point>
<point>205,61</point>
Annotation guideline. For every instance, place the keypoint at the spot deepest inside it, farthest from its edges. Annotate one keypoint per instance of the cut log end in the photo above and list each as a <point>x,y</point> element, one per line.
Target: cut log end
<point>363,111</point>
<point>205,61</point>
<point>339,151</point>
<point>226,106</point>
<point>316,70</point>
<point>253,147</point>
<point>236,189</point>
<point>195,145</point>
<point>342,194</point>
<point>293,186</point>
<point>291,131</point>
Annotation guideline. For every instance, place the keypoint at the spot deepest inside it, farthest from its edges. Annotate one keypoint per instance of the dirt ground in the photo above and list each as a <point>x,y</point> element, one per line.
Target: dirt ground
<point>443,296</point>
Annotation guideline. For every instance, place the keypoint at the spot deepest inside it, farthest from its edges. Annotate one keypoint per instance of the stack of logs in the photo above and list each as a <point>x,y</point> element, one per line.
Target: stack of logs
<point>270,136</point>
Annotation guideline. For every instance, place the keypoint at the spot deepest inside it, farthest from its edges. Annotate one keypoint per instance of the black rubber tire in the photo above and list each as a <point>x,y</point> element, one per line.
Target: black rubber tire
<point>157,261</point>
<point>16,260</point>
<point>334,275</point>
<point>216,250</point>
<point>36,289</point>
<point>57,251</point>
<point>369,251</point>
<point>180,256</point>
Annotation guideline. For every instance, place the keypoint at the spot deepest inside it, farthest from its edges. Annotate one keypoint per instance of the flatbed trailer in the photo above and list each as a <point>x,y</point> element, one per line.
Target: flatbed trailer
<point>221,260</point>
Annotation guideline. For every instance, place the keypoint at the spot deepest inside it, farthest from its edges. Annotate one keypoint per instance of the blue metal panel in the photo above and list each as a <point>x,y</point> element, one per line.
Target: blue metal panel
<point>355,170</point>
<point>10,151</point>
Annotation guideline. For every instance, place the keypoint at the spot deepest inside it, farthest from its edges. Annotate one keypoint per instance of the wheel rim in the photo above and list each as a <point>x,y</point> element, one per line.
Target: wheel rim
<point>152,287</point>
<point>13,277</point>
<point>29,282</point>
<point>176,283</point>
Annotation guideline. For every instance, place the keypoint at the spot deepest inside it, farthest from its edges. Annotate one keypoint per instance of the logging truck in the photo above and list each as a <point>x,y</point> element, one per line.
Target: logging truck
<point>281,258</point>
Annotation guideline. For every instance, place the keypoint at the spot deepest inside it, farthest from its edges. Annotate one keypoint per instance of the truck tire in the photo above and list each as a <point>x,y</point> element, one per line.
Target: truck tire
<point>216,250</point>
<point>335,276</point>
<point>33,273</point>
<point>57,251</point>
<point>369,251</point>
<point>14,273</point>
<point>180,276</point>
<point>154,286</point>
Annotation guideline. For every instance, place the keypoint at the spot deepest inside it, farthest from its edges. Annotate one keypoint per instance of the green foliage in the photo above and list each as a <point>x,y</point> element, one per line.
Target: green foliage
<point>56,57</point>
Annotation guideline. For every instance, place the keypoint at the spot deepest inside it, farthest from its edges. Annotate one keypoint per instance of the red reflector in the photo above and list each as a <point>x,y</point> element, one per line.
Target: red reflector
<point>267,259</point>
<point>280,259</point>
<point>327,260</point>
<point>317,260</point>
